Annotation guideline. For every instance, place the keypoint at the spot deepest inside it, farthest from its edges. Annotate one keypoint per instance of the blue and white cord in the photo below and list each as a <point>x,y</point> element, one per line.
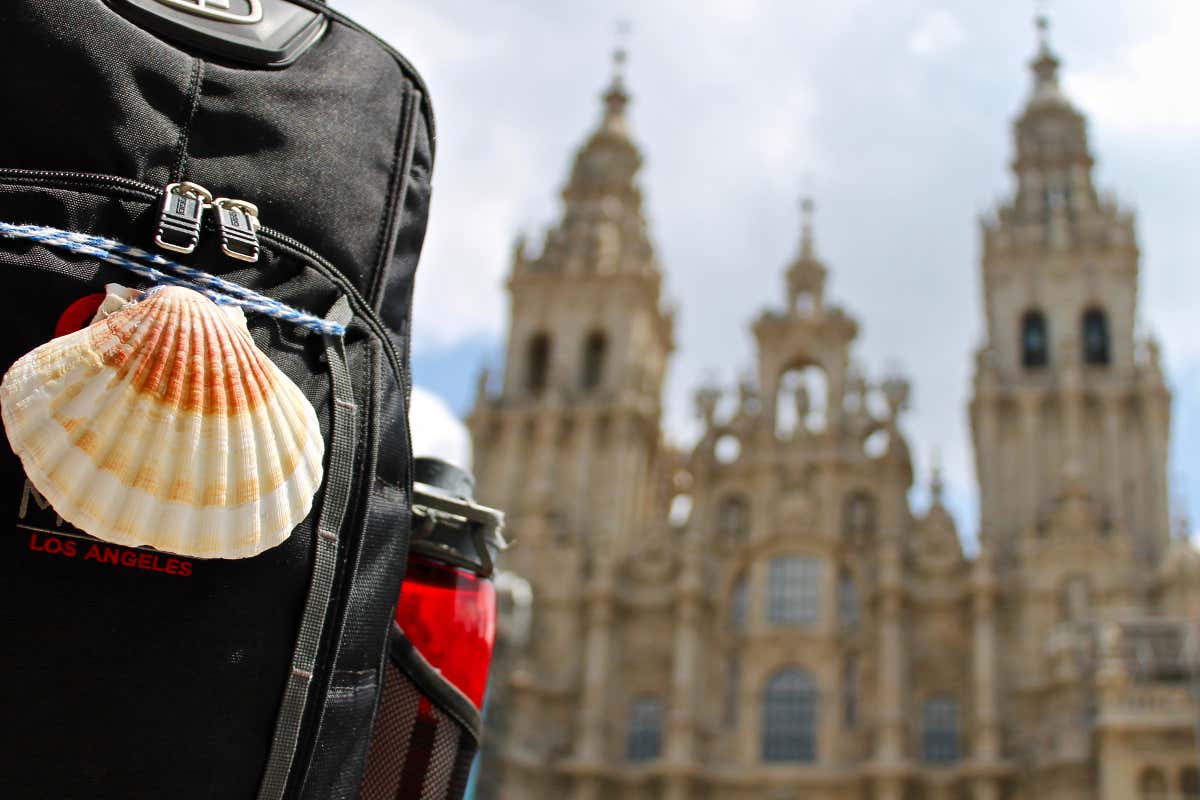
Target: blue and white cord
<point>218,290</point>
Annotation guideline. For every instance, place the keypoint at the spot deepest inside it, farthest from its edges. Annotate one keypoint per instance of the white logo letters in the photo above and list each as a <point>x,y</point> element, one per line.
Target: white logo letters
<point>219,9</point>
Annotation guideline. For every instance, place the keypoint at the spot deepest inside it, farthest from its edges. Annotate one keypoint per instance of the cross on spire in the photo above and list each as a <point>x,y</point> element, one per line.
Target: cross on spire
<point>937,484</point>
<point>806,275</point>
<point>1045,64</point>
<point>807,207</point>
<point>620,53</point>
<point>615,98</point>
<point>1042,22</point>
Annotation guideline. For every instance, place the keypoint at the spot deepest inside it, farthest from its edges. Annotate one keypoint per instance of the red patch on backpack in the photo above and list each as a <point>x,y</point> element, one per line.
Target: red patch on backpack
<point>78,315</point>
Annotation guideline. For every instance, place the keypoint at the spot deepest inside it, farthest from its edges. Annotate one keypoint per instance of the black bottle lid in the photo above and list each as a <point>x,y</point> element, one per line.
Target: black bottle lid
<point>448,525</point>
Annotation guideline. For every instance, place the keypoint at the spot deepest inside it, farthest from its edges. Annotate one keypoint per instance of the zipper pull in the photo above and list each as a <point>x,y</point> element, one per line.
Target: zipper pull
<point>182,210</point>
<point>239,226</point>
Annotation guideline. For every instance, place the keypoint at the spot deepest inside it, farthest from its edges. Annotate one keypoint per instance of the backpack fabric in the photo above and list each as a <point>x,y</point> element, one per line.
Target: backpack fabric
<point>133,673</point>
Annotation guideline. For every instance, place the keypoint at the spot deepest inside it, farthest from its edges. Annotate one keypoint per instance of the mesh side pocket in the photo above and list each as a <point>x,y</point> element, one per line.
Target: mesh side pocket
<point>426,732</point>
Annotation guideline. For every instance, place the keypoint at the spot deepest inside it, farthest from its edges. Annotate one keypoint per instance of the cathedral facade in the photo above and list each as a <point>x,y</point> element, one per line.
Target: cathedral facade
<point>765,616</point>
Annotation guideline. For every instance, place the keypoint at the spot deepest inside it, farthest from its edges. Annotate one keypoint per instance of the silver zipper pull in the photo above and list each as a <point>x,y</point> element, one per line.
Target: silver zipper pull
<point>179,222</point>
<point>239,226</point>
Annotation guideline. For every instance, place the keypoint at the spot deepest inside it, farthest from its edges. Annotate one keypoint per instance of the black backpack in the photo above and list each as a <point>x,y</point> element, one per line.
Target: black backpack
<point>134,673</point>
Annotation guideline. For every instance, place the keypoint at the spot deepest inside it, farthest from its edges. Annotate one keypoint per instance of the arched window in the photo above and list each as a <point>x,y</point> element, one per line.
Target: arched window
<point>858,513</point>
<point>850,692</point>
<point>737,605</point>
<point>940,727</point>
<point>847,600</point>
<point>643,741</point>
<point>1035,340</point>
<point>794,590</point>
<point>1095,337</point>
<point>1152,784</point>
<point>800,401</point>
<point>1189,783</point>
<point>538,365</point>
<point>733,516</point>
<point>790,717</point>
<point>595,348</point>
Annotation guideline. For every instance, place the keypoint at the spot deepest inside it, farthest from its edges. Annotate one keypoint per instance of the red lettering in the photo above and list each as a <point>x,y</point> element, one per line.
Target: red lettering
<point>52,545</point>
<point>109,554</point>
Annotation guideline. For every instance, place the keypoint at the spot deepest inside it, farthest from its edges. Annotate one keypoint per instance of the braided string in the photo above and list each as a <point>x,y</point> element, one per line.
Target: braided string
<point>218,290</point>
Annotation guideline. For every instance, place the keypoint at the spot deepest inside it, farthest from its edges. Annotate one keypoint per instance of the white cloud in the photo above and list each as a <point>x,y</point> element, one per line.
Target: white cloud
<point>1141,92</point>
<point>939,33</point>
<point>436,430</point>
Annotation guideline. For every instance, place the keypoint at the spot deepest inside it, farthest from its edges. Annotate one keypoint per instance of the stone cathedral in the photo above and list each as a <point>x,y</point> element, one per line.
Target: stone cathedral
<point>765,617</point>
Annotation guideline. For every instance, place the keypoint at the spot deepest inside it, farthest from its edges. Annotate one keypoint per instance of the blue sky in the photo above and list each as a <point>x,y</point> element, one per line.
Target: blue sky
<point>895,114</point>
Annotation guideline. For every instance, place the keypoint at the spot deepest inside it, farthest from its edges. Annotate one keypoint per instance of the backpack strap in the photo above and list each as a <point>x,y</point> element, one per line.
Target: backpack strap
<point>333,510</point>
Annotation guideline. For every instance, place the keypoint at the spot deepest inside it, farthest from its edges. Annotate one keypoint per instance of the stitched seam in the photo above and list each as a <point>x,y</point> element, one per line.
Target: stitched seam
<point>397,186</point>
<point>185,131</point>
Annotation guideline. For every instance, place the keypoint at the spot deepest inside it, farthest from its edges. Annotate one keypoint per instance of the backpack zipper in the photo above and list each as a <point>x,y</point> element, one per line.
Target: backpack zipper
<point>238,221</point>
<point>182,212</point>
<point>146,192</point>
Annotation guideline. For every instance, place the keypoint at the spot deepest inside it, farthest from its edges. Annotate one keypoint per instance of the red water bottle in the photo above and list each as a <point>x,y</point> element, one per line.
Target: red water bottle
<point>447,606</point>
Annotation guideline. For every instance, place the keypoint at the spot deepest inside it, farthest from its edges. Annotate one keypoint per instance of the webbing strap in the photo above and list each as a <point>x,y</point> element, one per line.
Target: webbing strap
<point>333,510</point>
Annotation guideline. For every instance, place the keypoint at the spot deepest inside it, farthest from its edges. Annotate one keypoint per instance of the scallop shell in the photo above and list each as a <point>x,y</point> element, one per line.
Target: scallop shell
<point>162,424</point>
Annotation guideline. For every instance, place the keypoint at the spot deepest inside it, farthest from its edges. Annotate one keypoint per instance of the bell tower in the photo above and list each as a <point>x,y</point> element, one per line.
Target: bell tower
<point>570,445</point>
<point>1070,413</point>
<point>576,417</point>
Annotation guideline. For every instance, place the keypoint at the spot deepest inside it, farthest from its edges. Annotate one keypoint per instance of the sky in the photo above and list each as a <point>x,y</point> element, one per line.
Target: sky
<point>895,115</point>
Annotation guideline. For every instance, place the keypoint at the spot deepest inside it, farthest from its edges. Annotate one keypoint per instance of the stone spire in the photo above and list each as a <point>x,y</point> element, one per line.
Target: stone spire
<point>1053,164</point>
<point>1060,276</point>
<point>806,274</point>
<point>1045,69</point>
<point>937,486</point>
<point>616,98</point>
<point>602,230</point>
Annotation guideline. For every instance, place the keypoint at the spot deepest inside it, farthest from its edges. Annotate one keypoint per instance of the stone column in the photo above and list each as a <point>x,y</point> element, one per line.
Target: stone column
<point>681,719</point>
<point>540,468</point>
<point>624,461</point>
<point>637,475</point>
<point>890,742</point>
<point>1112,445</point>
<point>594,709</point>
<point>508,479</point>
<point>829,715</point>
<point>987,726</point>
<point>1112,680</point>
<point>987,460</point>
<point>585,447</point>
<point>1156,527</point>
<point>1030,406</point>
